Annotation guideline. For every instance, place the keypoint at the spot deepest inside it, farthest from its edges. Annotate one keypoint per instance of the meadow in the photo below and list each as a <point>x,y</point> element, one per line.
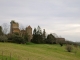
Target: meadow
<point>32,51</point>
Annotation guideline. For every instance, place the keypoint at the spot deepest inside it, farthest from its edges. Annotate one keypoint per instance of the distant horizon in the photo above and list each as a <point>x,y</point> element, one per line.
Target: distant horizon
<point>55,16</point>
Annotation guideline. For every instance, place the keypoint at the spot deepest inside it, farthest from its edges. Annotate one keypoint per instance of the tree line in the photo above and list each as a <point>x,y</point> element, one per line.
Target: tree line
<point>39,37</point>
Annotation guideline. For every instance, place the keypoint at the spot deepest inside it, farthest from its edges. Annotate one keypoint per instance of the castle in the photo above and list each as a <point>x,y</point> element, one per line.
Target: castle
<point>27,32</point>
<point>14,28</point>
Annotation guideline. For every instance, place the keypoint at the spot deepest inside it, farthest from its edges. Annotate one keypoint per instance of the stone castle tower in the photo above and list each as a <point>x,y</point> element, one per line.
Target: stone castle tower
<point>14,28</point>
<point>29,32</point>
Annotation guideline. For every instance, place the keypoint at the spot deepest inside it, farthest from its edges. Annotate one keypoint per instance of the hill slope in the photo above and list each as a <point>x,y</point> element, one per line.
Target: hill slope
<point>38,52</point>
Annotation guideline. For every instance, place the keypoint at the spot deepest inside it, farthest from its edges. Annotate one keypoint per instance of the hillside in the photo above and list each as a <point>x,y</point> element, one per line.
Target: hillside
<point>37,52</point>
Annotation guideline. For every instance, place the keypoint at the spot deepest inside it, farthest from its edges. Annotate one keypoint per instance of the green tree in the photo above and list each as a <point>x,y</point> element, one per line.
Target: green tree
<point>15,38</point>
<point>34,39</point>
<point>44,36</point>
<point>34,31</point>
<point>18,39</point>
<point>3,38</point>
<point>50,39</point>
<point>39,32</point>
<point>26,37</point>
<point>37,35</point>
<point>1,33</point>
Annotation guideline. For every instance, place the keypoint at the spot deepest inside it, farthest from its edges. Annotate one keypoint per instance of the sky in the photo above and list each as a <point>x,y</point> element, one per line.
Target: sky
<point>61,17</point>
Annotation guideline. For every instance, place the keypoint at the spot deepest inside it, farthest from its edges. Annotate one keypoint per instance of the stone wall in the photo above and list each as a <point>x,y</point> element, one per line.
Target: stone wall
<point>60,40</point>
<point>29,32</point>
<point>14,27</point>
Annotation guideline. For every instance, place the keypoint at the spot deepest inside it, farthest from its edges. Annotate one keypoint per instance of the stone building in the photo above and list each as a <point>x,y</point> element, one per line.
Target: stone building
<point>58,40</point>
<point>15,29</point>
<point>29,32</point>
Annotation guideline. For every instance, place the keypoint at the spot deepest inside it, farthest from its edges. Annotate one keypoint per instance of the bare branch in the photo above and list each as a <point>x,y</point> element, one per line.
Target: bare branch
<point>5,28</point>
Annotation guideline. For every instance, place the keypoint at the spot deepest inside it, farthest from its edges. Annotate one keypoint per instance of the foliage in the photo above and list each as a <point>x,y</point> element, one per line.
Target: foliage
<point>78,43</point>
<point>37,35</point>
<point>61,44</point>
<point>3,38</point>
<point>69,42</point>
<point>50,39</point>
<point>26,37</point>
<point>44,36</point>
<point>16,33</point>
<point>38,31</point>
<point>1,33</point>
<point>37,38</point>
<point>69,48</point>
<point>16,39</point>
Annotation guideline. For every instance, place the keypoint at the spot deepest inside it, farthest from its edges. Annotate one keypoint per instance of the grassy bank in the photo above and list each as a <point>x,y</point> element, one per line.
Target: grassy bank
<point>38,52</point>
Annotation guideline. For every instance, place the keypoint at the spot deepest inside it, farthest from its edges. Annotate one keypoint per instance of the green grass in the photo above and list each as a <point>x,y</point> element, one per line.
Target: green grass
<point>32,51</point>
<point>6,58</point>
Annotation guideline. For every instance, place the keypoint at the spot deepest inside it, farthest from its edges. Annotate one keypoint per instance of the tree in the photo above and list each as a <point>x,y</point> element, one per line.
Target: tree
<point>34,31</point>
<point>3,38</point>
<point>15,38</point>
<point>39,32</point>
<point>34,39</point>
<point>44,36</point>
<point>50,39</point>
<point>18,39</point>
<point>37,35</point>
<point>26,37</point>
<point>5,27</point>
<point>1,33</point>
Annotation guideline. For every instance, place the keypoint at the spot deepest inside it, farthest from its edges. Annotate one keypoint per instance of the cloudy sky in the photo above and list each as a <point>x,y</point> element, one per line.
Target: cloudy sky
<point>56,16</point>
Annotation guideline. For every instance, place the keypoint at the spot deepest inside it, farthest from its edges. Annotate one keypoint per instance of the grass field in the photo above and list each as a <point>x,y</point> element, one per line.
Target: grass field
<point>37,52</point>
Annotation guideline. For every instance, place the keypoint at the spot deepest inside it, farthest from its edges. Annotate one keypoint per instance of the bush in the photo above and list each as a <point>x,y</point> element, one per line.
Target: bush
<point>3,38</point>
<point>18,39</point>
<point>51,39</point>
<point>15,38</point>
<point>69,48</point>
<point>61,44</point>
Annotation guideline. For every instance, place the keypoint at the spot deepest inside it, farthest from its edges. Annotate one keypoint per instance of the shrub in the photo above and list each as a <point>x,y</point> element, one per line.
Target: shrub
<point>3,38</point>
<point>15,38</point>
<point>18,39</point>
<point>51,39</point>
<point>69,48</point>
<point>61,44</point>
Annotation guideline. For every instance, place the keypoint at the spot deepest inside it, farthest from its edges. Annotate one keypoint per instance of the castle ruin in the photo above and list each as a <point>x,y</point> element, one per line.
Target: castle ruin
<point>14,28</point>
